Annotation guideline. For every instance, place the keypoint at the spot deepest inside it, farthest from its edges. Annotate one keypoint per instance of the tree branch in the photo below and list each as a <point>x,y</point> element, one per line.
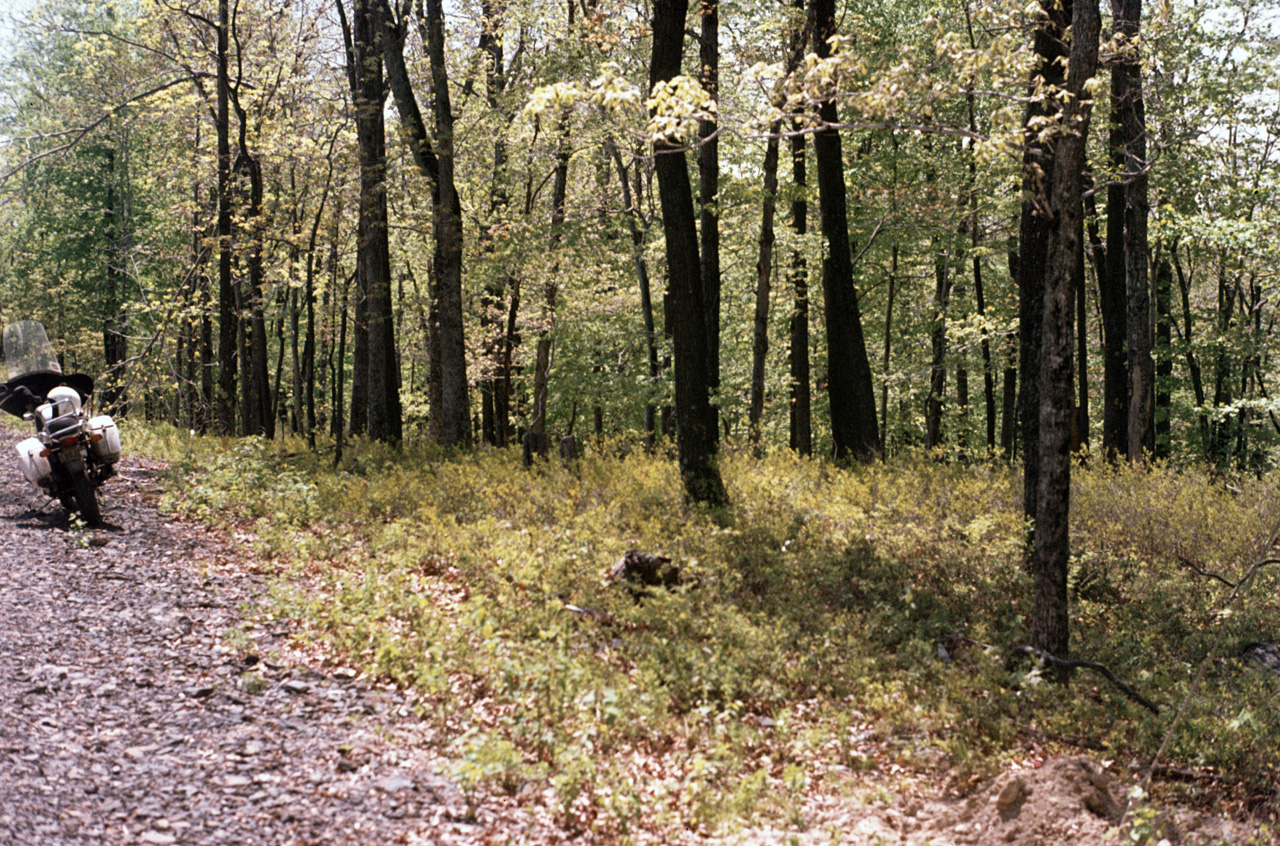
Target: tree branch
<point>84,131</point>
<point>1128,691</point>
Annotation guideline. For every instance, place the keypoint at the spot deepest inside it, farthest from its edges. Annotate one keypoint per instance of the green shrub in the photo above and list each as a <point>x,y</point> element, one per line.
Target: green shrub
<point>805,633</point>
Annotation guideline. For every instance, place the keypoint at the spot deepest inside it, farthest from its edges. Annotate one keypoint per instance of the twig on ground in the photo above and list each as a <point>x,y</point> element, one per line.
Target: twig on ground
<point>1089,665</point>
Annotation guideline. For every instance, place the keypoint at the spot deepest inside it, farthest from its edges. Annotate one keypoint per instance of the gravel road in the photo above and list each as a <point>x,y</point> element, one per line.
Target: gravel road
<point>126,717</point>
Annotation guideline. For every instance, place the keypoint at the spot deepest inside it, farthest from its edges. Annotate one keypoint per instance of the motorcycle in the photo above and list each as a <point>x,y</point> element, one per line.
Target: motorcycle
<point>72,453</point>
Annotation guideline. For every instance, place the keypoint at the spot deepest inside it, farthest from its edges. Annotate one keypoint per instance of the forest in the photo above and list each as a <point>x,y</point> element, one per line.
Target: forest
<point>683,257</point>
<point>248,222</point>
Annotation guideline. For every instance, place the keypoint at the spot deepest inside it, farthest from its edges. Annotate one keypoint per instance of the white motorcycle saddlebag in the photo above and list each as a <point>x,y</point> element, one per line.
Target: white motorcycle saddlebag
<point>104,438</point>
<point>35,467</point>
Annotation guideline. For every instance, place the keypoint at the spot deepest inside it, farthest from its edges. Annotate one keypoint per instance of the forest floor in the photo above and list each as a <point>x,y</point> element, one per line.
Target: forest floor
<point>128,715</point>
<point>125,717</point>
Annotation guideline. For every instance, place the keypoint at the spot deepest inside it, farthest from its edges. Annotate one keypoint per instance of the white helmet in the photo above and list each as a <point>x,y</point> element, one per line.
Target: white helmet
<point>60,396</point>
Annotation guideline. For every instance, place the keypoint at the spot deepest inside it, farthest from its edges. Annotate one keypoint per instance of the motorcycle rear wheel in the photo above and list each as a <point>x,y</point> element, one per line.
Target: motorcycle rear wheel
<point>85,496</point>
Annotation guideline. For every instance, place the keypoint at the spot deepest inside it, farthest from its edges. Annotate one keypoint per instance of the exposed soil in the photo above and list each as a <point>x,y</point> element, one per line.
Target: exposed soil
<point>1066,800</point>
<point>125,716</point>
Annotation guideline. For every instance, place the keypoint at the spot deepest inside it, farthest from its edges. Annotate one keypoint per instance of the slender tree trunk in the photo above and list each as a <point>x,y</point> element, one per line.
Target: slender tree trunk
<point>975,240</point>
<point>696,423</point>
<point>1193,363</point>
<point>708,195</point>
<point>798,327</point>
<point>938,350</point>
<point>1080,426</point>
<point>1127,18</point>
<point>542,358</point>
<point>227,315</point>
<point>636,227</point>
<point>1164,360</point>
<point>890,298</point>
<point>1112,303</point>
<point>764,270</point>
<point>258,385</point>
<point>849,384</point>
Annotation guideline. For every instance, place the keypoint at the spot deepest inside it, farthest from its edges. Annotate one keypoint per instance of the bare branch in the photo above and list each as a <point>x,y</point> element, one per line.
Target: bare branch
<point>82,132</point>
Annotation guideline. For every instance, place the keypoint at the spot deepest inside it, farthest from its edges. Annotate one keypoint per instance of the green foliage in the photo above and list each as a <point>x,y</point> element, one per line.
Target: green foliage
<point>801,649</point>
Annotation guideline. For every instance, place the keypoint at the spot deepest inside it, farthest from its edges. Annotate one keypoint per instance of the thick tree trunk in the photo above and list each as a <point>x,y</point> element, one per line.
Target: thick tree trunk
<point>1051,551</point>
<point>849,384</point>
<point>1038,169</point>
<point>455,409</point>
<point>383,413</point>
<point>695,426</point>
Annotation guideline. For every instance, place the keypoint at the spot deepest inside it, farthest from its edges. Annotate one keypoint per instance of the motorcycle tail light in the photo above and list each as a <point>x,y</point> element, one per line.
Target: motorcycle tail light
<point>69,440</point>
<point>44,453</point>
<point>95,437</point>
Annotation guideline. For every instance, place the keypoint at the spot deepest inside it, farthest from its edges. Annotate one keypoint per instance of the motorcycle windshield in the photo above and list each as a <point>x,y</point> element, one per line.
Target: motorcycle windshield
<point>27,350</point>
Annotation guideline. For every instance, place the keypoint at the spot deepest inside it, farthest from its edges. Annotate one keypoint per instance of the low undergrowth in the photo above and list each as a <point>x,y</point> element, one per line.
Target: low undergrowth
<point>802,653</point>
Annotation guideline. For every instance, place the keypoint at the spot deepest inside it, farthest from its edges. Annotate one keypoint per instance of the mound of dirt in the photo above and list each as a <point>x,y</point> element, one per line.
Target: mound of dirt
<point>1067,800</point>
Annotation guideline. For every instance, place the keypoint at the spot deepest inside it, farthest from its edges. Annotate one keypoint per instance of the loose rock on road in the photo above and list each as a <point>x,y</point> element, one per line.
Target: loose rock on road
<point>125,717</point>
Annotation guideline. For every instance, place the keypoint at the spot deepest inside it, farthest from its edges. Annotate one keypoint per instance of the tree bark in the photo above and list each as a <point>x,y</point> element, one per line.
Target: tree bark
<point>455,410</point>
<point>383,413</point>
<point>1038,170</point>
<point>764,271</point>
<point>227,316</point>
<point>801,417</point>
<point>695,421</point>
<point>1051,552</point>
<point>637,228</point>
<point>849,384</point>
<point>1127,17</point>
<point>1163,424</point>
<point>708,196</point>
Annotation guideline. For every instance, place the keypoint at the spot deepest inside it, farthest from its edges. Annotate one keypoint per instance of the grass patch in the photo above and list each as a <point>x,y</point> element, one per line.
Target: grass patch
<point>804,651</point>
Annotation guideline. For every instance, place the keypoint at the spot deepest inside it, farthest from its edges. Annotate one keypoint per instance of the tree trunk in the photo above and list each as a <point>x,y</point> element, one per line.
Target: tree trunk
<point>1164,360</point>
<point>801,416</point>
<point>696,423</point>
<point>1193,364</point>
<point>635,224</point>
<point>849,384</point>
<point>382,414</point>
<point>708,196</point>
<point>764,270</point>
<point>938,350</point>
<point>1038,168</point>
<point>891,296</point>
<point>1080,424</point>
<point>1051,551</point>
<point>1132,121</point>
<point>227,316</point>
<point>455,411</point>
